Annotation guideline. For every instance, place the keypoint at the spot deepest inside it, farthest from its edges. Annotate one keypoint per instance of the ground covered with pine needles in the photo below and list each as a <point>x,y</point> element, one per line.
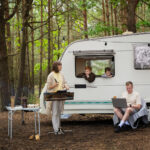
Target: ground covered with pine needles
<point>89,132</point>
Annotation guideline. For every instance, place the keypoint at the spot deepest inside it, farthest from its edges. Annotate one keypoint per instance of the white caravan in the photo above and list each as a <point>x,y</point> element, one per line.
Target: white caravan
<point>128,56</point>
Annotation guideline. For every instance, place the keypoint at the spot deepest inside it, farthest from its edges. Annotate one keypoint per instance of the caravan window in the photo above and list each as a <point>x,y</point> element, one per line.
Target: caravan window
<point>97,63</point>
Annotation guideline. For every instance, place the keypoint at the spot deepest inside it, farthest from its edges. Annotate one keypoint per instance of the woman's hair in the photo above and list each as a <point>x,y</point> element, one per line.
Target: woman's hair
<point>55,66</point>
<point>88,68</point>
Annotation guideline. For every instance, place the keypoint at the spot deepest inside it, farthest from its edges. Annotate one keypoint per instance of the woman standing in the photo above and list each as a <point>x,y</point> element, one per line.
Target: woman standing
<point>55,82</point>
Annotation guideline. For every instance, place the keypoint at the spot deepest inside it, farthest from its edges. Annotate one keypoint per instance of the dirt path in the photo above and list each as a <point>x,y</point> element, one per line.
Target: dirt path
<point>90,132</point>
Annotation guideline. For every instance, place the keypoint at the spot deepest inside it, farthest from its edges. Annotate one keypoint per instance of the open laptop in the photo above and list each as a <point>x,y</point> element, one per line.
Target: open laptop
<point>119,102</point>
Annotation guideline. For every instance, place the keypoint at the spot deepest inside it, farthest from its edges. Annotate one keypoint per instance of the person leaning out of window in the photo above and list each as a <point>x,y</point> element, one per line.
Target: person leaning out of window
<point>87,75</point>
<point>108,73</point>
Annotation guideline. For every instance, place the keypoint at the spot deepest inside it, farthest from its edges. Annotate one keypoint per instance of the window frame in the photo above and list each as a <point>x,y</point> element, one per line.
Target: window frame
<point>104,55</point>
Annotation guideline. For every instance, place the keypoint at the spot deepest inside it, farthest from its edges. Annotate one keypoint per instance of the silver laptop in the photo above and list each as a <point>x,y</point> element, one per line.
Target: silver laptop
<point>119,102</point>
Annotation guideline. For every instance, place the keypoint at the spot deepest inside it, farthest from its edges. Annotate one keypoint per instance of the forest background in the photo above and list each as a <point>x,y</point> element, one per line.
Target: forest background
<point>34,34</point>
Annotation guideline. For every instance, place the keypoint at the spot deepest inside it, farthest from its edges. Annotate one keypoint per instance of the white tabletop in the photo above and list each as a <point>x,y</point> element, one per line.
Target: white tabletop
<point>21,108</point>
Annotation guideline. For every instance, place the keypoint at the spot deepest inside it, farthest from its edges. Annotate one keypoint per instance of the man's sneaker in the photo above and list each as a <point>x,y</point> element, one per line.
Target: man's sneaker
<point>123,128</point>
<point>119,129</point>
<point>127,127</point>
<point>61,131</point>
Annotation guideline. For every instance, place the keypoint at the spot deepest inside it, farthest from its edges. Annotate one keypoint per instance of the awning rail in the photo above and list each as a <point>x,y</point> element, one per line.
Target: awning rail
<point>96,52</point>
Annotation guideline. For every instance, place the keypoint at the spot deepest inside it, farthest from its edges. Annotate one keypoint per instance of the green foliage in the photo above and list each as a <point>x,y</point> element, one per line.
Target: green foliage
<point>88,4</point>
<point>143,24</point>
<point>37,43</point>
<point>57,52</point>
<point>100,27</point>
<point>59,27</point>
<point>116,2</point>
<point>37,66</point>
<point>98,66</point>
<point>78,25</point>
<point>45,43</point>
<point>17,42</point>
<point>18,24</point>
<point>32,99</point>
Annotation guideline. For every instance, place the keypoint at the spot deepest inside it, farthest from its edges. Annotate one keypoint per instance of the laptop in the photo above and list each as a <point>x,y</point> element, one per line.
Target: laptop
<point>119,102</point>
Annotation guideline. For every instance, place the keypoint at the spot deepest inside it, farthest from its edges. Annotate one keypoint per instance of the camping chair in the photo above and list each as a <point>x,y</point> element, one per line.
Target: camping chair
<point>134,119</point>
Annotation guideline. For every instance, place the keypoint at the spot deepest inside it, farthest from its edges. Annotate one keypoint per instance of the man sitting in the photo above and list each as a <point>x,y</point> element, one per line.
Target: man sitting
<point>88,74</point>
<point>134,104</point>
<point>108,73</point>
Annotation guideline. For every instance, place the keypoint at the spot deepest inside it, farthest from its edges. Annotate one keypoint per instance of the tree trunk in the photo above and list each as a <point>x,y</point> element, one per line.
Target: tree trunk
<point>41,50</point>
<point>9,47</point>
<point>123,16</point>
<point>4,73</point>
<point>85,19</point>
<point>52,44</point>
<point>58,41</point>
<point>104,19</point>
<point>26,6</point>
<point>107,16</point>
<point>112,19</point>
<point>68,22</point>
<point>28,77</point>
<point>116,21</point>
<point>18,29</point>
<point>32,62</point>
<point>18,47</point>
<point>49,37</point>
<point>71,28</point>
<point>143,15</point>
<point>26,81</point>
<point>131,19</point>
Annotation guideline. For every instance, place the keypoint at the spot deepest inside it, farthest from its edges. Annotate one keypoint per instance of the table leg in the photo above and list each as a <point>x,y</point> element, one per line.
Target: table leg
<point>11,125</point>
<point>35,123</point>
<point>8,123</point>
<point>23,122</point>
<point>39,122</point>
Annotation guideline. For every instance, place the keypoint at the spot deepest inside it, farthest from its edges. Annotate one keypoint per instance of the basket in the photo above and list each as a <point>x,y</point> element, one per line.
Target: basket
<point>58,96</point>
